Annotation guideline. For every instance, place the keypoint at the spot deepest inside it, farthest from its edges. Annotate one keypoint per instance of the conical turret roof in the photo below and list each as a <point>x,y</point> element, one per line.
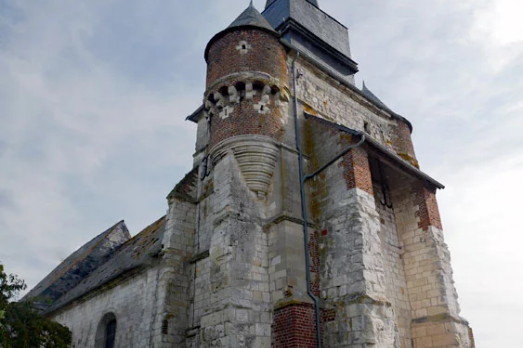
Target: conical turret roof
<point>251,17</point>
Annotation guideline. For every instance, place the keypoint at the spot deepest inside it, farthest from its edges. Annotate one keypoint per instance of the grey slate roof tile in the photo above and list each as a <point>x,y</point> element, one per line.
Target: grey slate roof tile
<point>79,265</point>
<point>314,2</point>
<point>137,252</point>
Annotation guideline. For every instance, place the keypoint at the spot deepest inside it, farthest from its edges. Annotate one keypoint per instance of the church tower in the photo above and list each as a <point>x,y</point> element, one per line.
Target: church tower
<point>305,222</point>
<point>314,224</point>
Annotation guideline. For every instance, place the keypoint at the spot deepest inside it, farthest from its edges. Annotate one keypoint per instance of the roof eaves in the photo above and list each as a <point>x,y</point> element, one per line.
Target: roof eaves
<point>397,160</point>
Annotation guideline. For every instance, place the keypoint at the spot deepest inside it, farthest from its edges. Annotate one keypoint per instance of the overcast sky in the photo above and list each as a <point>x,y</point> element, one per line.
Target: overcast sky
<point>94,94</point>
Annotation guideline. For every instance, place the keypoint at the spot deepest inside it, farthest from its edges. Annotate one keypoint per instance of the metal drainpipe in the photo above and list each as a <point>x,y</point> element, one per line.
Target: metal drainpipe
<point>304,178</point>
<point>304,208</point>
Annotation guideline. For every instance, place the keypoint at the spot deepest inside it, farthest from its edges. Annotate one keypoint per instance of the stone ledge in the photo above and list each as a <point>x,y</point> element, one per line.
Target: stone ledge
<point>198,257</point>
<point>445,317</point>
<point>285,217</point>
<point>294,300</point>
<point>359,298</point>
<point>193,331</point>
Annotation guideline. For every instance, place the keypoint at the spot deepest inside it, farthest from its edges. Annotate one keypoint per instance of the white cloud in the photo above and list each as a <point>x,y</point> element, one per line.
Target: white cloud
<point>66,118</point>
<point>499,22</point>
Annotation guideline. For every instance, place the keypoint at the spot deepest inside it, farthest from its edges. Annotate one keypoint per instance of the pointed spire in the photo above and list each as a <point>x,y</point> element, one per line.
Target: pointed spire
<point>251,17</point>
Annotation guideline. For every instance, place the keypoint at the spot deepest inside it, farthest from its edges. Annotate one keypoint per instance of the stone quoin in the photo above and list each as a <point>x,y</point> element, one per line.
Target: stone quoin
<point>305,205</point>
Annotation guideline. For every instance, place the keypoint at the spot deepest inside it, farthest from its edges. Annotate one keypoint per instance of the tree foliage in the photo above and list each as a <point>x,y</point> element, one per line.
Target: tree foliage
<point>21,326</point>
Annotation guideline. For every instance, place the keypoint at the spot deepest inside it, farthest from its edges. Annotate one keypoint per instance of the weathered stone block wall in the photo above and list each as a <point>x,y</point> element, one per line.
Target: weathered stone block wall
<point>134,303</point>
<point>396,284</point>
<point>234,307</point>
<point>179,241</point>
<point>327,98</point>
<point>433,297</point>
<point>352,273</point>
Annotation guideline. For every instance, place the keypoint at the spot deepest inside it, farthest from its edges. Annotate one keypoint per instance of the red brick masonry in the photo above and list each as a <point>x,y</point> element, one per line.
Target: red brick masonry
<point>294,326</point>
<point>428,211</point>
<point>356,170</point>
<point>265,54</point>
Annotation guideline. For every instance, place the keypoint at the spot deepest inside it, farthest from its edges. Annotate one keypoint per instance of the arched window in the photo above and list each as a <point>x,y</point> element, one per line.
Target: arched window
<point>110,334</point>
<point>106,332</point>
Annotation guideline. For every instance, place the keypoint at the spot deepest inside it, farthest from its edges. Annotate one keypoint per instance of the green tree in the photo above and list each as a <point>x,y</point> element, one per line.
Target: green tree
<point>21,326</point>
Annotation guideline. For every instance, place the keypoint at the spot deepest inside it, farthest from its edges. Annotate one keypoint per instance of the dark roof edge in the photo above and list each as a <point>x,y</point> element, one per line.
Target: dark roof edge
<point>192,117</point>
<point>346,84</point>
<point>131,271</point>
<point>383,150</point>
<point>110,279</point>
<point>32,294</point>
<point>318,7</point>
<point>342,57</point>
<point>231,29</point>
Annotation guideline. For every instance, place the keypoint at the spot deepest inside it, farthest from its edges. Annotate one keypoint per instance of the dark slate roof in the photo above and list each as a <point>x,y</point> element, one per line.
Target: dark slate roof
<point>137,252</point>
<point>372,96</point>
<point>251,17</point>
<point>78,266</point>
<point>311,18</point>
<point>308,29</point>
<point>314,2</point>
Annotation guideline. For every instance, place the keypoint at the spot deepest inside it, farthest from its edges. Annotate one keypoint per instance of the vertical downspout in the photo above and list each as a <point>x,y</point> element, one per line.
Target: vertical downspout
<point>304,206</point>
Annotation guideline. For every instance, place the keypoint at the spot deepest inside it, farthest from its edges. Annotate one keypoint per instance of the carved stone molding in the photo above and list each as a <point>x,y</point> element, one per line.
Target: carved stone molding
<point>256,156</point>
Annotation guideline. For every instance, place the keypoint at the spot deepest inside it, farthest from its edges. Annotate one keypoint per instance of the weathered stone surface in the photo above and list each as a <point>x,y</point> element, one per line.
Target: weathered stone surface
<point>226,266</point>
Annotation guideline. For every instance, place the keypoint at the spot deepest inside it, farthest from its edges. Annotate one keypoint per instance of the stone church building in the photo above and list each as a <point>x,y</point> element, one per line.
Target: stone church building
<point>305,220</point>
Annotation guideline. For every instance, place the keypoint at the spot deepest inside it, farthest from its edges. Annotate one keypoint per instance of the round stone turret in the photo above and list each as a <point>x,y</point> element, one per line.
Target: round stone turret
<point>248,45</point>
<point>246,96</point>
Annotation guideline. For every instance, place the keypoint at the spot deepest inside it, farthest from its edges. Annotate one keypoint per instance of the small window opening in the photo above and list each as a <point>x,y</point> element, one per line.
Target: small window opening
<point>261,108</point>
<point>110,334</point>
<point>366,127</point>
<point>165,327</point>
<point>244,47</point>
